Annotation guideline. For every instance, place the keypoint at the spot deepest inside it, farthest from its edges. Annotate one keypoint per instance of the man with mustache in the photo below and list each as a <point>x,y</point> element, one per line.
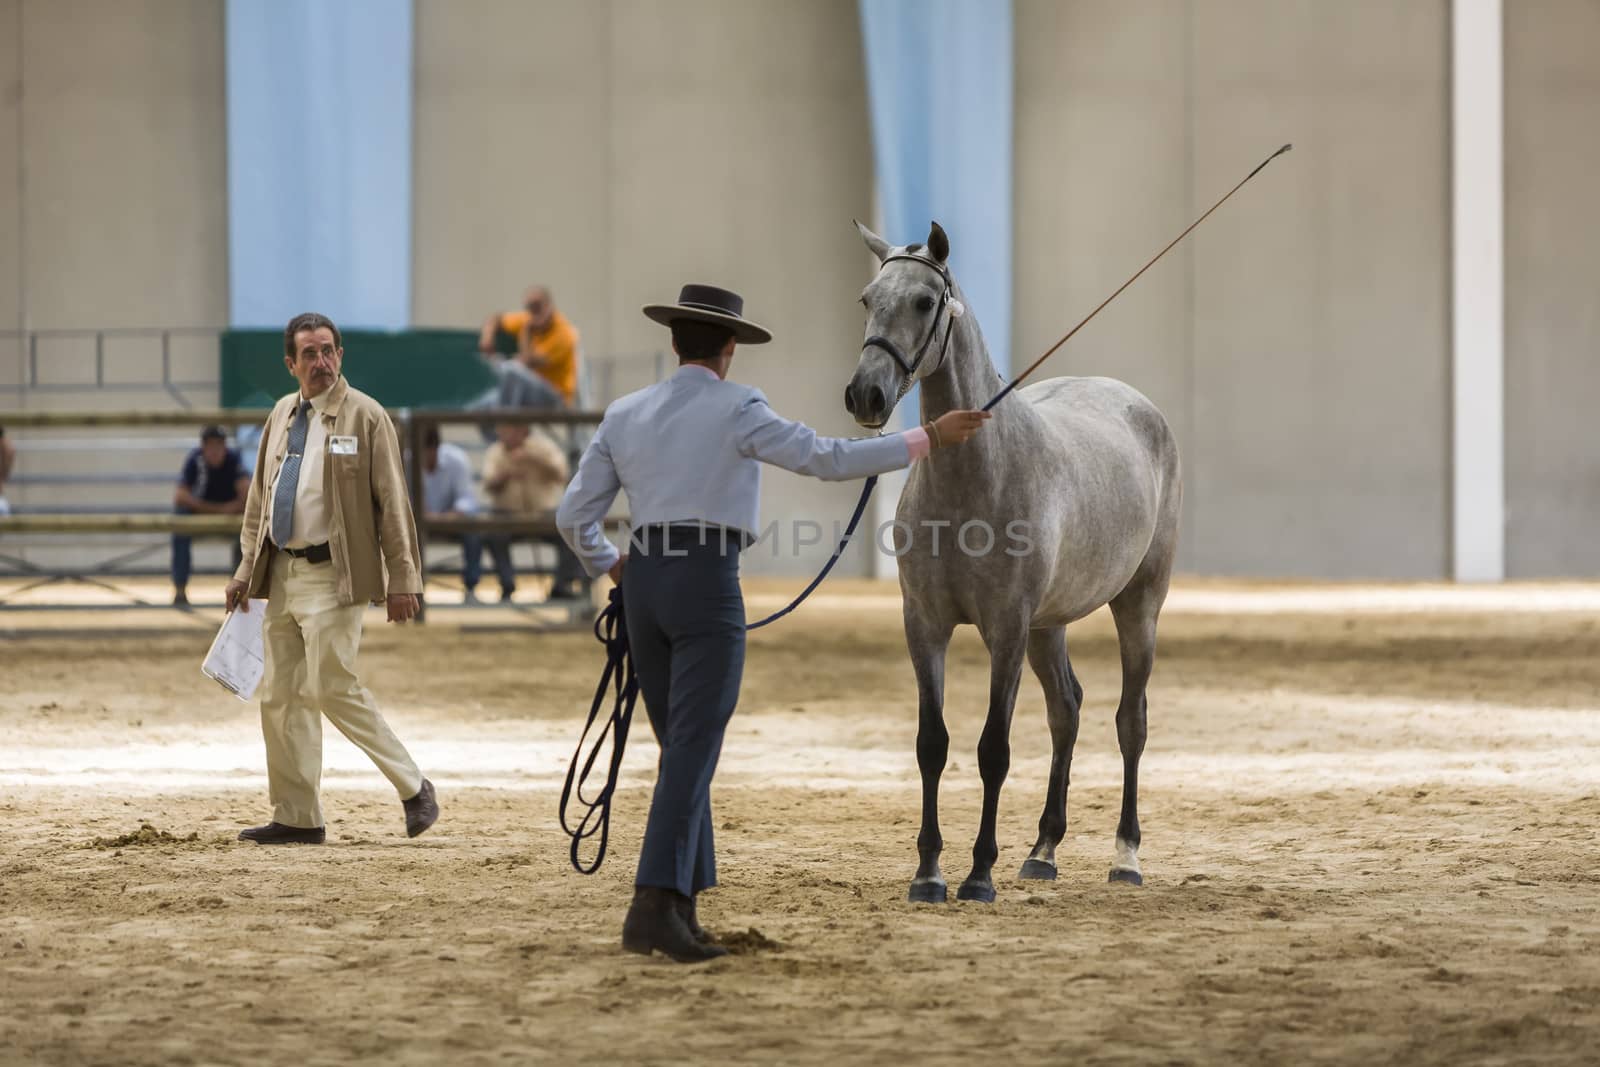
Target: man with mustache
<point>327,530</point>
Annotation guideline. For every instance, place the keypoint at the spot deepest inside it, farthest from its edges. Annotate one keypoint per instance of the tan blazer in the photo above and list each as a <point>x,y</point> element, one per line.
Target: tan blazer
<point>371,533</point>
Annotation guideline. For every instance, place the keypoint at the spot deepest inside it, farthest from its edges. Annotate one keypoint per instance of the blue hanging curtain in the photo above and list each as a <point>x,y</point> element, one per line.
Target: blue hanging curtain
<point>939,81</point>
<point>319,161</point>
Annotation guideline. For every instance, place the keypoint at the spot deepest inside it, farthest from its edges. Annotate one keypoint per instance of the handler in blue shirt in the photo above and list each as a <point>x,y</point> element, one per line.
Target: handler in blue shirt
<point>688,452</point>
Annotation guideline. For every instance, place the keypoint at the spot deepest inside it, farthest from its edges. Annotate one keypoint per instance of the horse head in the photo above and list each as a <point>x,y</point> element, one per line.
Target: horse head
<point>911,311</point>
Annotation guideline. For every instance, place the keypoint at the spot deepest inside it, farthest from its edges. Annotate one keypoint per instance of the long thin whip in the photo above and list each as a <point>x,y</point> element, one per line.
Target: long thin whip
<point>1035,364</point>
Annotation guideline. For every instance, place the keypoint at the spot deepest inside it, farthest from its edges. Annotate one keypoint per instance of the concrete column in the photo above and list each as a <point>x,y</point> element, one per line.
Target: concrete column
<point>1478,292</point>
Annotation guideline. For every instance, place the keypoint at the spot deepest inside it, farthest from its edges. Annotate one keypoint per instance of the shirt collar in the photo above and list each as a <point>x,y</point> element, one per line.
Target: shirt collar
<point>329,400</point>
<point>696,369</point>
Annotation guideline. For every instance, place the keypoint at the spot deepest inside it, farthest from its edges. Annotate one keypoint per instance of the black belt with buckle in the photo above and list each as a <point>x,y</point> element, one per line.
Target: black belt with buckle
<point>315,554</point>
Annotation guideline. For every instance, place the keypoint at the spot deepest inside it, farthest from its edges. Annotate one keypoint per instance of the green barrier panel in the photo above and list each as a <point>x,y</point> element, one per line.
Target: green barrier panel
<point>412,368</point>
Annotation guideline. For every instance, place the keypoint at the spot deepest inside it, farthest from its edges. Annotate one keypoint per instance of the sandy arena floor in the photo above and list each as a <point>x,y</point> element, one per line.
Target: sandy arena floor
<point>1370,836</point>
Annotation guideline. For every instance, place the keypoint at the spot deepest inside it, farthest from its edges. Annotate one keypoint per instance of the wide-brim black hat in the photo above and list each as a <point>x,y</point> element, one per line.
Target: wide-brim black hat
<point>707,303</point>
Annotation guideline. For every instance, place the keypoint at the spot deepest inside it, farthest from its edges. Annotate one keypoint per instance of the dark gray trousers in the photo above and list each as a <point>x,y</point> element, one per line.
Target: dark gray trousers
<point>686,633</point>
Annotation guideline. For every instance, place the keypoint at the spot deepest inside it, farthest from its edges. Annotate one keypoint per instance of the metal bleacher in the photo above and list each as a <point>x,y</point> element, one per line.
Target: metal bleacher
<point>120,477</point>
<point>84,471</point>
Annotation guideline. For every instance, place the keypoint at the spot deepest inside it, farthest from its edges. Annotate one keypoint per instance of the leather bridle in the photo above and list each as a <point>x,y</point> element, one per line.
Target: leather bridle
<point>909,366</point>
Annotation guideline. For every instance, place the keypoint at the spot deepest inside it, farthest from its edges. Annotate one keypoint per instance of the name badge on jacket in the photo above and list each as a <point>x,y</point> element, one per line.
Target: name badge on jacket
<point>342,446</point>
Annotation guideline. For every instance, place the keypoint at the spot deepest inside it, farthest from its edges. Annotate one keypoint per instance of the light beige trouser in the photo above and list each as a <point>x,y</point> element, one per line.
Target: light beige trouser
<point>310,642</point>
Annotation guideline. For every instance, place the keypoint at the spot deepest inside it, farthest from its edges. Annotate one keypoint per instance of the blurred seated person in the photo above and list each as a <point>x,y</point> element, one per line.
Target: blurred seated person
<point>447,493</point>
<point>525,474</point>
<point>213,482</point>
<point>541,339</point>
<point>8,463</point>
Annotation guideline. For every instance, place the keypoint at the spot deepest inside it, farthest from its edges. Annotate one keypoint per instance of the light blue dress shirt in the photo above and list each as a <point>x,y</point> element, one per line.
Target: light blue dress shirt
<point>448,487</point>
<point>690,449</point>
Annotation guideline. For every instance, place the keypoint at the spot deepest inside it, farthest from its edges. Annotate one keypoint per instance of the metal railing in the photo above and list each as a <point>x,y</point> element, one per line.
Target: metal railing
<point>93,345</point>
<point>412,425</point>
<point>183,363</point>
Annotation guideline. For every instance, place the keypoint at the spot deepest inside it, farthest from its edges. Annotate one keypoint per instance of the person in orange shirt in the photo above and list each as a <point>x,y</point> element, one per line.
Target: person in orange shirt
<point>546,341</point>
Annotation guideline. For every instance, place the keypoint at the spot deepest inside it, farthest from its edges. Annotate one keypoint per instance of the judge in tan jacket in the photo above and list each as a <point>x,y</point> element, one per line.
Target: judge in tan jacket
<point>327,530</point>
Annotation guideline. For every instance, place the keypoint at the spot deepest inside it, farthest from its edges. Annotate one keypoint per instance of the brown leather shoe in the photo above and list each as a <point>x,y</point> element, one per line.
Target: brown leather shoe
<point>422,810</point>
<point>275,833</point>
<point>655,924</point>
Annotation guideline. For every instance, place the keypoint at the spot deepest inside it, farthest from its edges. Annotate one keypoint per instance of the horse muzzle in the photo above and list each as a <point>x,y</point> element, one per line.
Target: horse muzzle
<point>876,387</point>
<point>869,404</point>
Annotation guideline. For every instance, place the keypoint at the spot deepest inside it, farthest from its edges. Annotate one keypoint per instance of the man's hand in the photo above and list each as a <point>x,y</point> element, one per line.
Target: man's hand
<point>402,607</point>
<point>956,427</point>
<point>616,569</point>
<point>233,596</point>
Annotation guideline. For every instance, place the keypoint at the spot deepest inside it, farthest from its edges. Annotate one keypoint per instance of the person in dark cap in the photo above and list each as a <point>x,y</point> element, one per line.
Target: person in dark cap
<point>213,482</point>
<point>688,452</point>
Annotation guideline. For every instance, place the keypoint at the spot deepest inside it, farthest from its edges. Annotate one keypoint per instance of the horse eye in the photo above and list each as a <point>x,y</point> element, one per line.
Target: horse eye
<point>924,303</point>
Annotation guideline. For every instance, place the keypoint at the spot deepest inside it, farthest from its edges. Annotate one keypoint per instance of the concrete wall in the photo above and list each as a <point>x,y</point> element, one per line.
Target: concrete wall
<point>11,278</point>
<point>616,149</point>
<point>123,155</point>
<point>112,157</point>
<point>1552,146</point>
<point>1300,345</point>
<point>112,214</point>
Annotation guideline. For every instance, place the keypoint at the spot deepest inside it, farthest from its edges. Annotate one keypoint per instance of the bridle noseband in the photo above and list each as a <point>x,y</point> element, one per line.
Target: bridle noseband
<point>910,366</point>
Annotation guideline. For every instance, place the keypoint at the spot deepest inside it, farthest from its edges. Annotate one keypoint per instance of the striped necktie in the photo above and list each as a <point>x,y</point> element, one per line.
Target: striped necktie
<point>289,477</point>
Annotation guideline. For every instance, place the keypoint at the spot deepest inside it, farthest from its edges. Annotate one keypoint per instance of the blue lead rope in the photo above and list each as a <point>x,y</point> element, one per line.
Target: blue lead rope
<point>844,542</point>
<point>619,680</point>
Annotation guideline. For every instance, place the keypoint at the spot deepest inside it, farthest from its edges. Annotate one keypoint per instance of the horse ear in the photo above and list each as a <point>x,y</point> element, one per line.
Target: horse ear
<point>938,243</point>
<point>879,246</point>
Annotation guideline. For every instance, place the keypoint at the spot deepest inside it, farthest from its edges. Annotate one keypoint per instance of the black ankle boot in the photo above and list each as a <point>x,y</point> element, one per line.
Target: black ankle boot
<point>686,910</point>
<point>655,924</point>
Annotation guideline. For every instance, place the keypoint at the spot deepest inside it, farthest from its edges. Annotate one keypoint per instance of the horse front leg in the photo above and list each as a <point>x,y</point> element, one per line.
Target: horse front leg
<point>1006,652</point>
<point>928,644</point>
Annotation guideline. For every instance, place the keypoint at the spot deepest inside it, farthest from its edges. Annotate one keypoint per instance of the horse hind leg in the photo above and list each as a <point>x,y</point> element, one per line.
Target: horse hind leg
<point>1135,611</point>
<point>1063,697</point>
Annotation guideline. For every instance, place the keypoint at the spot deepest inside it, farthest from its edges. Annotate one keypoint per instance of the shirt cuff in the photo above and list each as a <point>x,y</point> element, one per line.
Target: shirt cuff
<point>917,442</point>
<point>598,565</point>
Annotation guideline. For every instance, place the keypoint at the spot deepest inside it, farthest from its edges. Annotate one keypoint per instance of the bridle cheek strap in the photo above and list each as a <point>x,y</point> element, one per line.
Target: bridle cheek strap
<point>909,366</point>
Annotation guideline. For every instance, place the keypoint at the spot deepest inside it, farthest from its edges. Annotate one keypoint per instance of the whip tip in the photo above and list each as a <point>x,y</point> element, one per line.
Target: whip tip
<point>1282,150</point>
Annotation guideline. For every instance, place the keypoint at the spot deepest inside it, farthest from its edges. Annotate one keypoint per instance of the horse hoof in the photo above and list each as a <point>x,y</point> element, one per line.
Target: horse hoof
<point>928,891</point>
<point>1039,870</point>
<point>1121,874</point>
<point>982,892</point>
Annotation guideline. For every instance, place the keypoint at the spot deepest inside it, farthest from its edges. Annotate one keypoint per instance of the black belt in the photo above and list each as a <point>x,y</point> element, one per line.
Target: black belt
<point>682,534</point>
<point>315,554</point>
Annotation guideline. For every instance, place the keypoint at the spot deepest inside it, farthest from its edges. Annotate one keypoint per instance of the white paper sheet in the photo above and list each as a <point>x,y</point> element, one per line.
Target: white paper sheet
<point>236,661</point>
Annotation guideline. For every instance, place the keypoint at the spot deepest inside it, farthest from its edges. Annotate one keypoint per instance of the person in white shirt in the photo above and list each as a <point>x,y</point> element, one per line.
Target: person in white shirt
<point>447,492</point>
<point>688,452</point>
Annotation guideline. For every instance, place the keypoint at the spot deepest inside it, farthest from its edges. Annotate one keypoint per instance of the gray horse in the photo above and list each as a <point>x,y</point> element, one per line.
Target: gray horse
<point>1066,500</point>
